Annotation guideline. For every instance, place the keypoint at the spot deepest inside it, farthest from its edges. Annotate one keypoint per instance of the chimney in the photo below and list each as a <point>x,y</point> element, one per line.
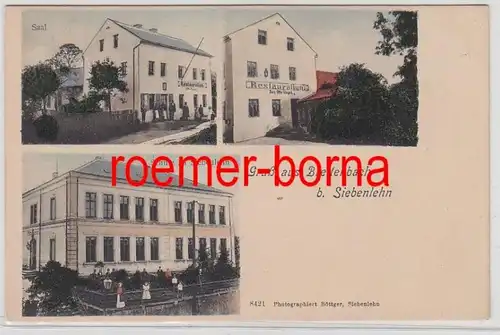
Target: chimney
<point>55,174</point>
<point>137,25</point>
<point>153,30</point>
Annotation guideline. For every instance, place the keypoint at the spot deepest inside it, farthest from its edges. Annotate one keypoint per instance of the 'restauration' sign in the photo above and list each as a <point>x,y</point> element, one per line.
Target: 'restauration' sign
<point>277,88</point>
<point>192,84</point>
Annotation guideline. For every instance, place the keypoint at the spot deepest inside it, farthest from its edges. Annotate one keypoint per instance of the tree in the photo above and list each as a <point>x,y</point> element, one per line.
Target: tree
<point>106,80</point>
<point>213,82</point>
<point>52,290</point>
<point>399,33</point>
<point>359,109</point>
<point>38,82</point>
<point>68,57</point>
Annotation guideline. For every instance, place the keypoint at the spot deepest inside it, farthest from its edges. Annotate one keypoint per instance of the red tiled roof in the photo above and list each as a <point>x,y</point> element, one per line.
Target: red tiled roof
<point>322,78</point>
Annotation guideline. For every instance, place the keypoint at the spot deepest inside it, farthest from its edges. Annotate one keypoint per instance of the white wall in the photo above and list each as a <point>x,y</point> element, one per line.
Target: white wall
<point>126,44</point>
<point>55,231</point>
<point>154,84</point>
<point>244,47</point>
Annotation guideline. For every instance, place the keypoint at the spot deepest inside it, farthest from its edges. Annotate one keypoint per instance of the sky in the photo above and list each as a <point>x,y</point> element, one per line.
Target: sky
<point>38,167</point>
<point>340,36</point>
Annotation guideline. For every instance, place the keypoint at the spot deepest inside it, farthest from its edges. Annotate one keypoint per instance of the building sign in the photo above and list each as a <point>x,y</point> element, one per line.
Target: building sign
<point>192,84</point>
<point>277,88</point>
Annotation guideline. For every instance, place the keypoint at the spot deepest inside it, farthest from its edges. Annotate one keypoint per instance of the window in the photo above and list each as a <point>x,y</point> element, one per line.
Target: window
<point>253,108</point>
<point>211,214</point>
<point>275,71</point>
<point>123,68</point>
<point>101,45</point>
<point>109,249</point>
<point>178,248</point>
<point>155,250</point>
<point>204,100</point>
<point>33,213</point>
<point>115,41</point>
<point>108,206</point>
<point>52,255</point>
<point>195,74</point>
<point>223,244</point>
<point>151,68</point>
<point>124,208</point>
<point>90,249</point>
<point>190,248</point>
<point>190,212</point>
<point>213,248</point>
<point>153,209</point>
<point>90,204</point>
<point>201,213</point>
<point>163,69</point>
<point>178,211</point>
<point>140,254</point>
<point>290,44</point>
<point>181,100</point>
<point>125,249</point>
<point>202,74</point>
<point>292,73</point>
<point>262,37</point>
<point>276,106</point>
<point>251,69</point>
<point>222,215</point>
<point>180,71</point>
<point>202,244</point>
<point>139,209</point>
<point>195,100</point>
<point>52,208</point>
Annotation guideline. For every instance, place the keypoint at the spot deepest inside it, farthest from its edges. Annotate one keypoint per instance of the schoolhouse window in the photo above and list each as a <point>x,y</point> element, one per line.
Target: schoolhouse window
<point>151,68</point>
<point>262,37</point>
<point>101,45</point>
<point>275,71</point>
<point>115,41</point>
<point>253,108</point>
<point>276,105</point>
<point>290,44</point>
<point>292,73</point>
<point>251,69</point>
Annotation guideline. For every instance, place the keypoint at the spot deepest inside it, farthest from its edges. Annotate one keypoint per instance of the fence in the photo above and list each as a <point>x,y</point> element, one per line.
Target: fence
<point>89,128</point>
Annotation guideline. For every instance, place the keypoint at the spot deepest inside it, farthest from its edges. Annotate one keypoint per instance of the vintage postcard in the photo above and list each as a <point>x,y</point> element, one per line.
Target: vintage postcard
<point>384,216</point>
<point>114,76</point>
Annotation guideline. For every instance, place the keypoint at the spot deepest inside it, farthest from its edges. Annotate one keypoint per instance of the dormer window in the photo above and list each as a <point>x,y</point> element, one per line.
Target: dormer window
<point>290,44</point>
<point>262,37</point>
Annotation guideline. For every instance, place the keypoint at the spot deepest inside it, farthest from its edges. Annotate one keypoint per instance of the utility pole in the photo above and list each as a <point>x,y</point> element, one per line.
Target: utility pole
<point>195,291</point>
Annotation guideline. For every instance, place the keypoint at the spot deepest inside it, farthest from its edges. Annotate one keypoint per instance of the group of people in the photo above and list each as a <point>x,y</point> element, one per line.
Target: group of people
<point>146,286</point>
<point>172,109</point>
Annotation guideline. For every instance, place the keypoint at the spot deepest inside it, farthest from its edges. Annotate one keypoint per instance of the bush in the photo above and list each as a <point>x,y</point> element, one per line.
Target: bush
<point>46,127</point>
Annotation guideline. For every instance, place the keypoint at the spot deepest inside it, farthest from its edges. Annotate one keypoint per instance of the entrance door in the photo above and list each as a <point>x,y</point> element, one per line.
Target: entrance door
<point>295,112</point>
<point>33,254</point>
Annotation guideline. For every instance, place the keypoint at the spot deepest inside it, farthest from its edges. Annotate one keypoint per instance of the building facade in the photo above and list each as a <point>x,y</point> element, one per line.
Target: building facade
<point>79,219</point>
<point>268,67</point>
<point>158,69</point>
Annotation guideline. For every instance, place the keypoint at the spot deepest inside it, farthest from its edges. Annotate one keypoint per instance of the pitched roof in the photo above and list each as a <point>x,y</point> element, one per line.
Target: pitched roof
<point>73,78</point>
<point>266,18</point>
<point>162,40</point>
<point>322,77</point>
<point>102,168</point>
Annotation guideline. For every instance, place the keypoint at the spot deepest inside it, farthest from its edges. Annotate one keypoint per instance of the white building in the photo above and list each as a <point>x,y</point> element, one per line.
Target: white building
<point>79,219</point>
<point>268,67</point>
<point>159,68</point>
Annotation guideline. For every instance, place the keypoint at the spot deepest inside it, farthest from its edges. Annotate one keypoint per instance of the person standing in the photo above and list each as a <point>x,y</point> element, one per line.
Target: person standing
<point>146,293</point>
<point>171,111</point>
<point>200,112</point>
<point>185,111</point>
<point>120,303</point>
